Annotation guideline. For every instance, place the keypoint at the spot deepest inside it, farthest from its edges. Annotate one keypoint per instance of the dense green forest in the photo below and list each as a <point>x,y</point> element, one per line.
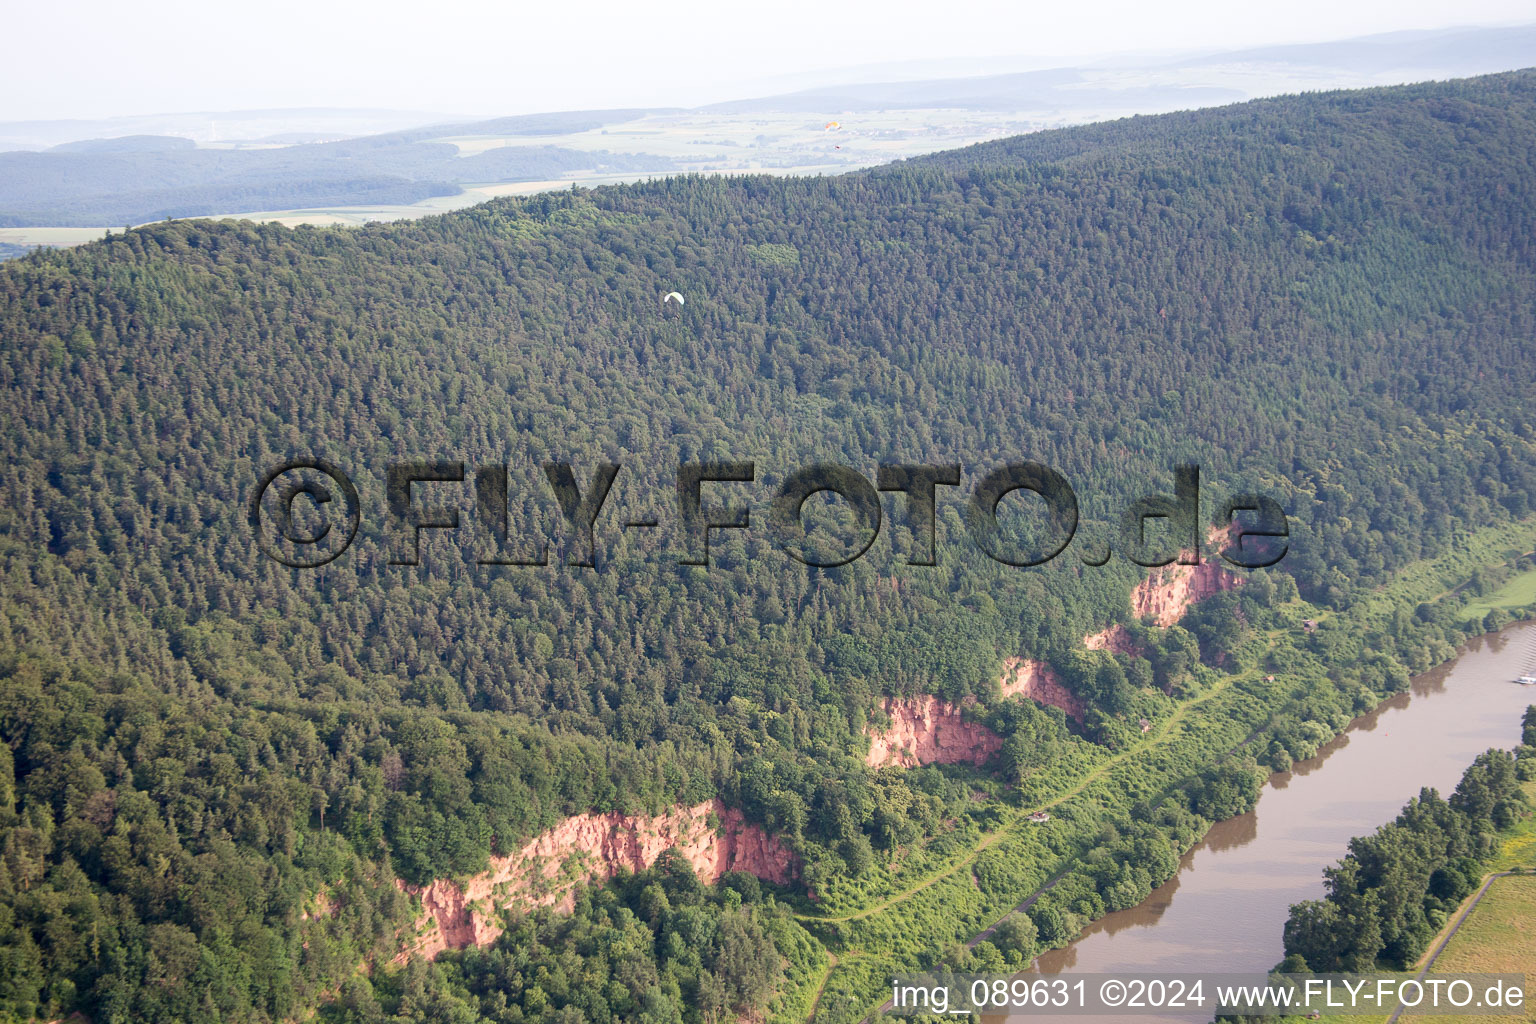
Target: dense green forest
<point>1326,299</point>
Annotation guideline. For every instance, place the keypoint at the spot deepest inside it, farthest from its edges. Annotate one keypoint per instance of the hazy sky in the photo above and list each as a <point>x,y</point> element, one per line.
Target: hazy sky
<point>98,58</point>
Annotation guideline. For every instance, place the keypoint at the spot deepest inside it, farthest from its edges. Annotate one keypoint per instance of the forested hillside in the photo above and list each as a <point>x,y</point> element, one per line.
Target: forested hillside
<point>215,766</point>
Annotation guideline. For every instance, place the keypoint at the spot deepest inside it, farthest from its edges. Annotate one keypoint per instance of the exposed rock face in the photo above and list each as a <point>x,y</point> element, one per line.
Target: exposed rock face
<point>1167,593</point>
<point>323,905</point>
<point>587,848</point>
<point>1116,639</point>
<point>1036,680</point>
<point>926,730</point>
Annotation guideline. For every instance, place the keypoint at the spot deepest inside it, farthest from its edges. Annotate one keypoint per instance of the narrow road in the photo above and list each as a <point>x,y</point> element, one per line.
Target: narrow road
<point>986,933</point>
<point>1449,935</point>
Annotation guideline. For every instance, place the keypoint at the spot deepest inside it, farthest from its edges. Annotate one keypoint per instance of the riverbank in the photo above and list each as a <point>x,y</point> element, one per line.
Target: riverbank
<point>1233,893</point>
<point>1227,716</point>
<point>1493,930</point>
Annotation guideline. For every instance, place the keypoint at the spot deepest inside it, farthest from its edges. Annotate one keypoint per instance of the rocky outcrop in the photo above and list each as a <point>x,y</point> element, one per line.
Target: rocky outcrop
<point>323,905</point>
<point>1026,677</point>
<point>590,848</point>
<point>1168,592</point>
<point>1116,640</point>
<point>927,730</point>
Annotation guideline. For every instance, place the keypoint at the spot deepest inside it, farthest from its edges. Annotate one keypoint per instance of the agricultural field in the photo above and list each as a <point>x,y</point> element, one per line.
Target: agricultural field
<point>472,195</point>
<point>1518,591</point>
<point>23,239</point>
<point>709,141</point>
<point>1499,937</point>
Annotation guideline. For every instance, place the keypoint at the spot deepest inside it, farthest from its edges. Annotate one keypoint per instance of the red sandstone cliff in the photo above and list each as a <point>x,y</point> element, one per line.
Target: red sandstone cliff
<point>1167,593</point>
<point>1116,639</point>
<point>1036,680</point>
<point>926,730</point>
<point>586,848</point>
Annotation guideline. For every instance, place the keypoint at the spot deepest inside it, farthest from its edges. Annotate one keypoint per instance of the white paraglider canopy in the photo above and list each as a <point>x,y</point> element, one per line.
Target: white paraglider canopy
<point>672,297</point>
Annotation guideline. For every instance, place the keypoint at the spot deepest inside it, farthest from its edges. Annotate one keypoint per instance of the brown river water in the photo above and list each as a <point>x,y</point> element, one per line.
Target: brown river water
<point>1225,909</point>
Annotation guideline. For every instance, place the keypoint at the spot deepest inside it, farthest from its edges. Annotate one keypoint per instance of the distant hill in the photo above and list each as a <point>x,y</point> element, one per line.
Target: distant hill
<point>557,123</point>
<point>128,144</point>
<point>1153,86</point>
<point>1448,53</point>
<point>120,182</point>
<point>208,126</point>
<point>112,181</point>
<point>1049,91</point>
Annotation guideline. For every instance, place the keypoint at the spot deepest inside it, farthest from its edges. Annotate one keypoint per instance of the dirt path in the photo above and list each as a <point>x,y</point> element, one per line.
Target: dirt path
<point>993,837</point>
<point>821,988</point>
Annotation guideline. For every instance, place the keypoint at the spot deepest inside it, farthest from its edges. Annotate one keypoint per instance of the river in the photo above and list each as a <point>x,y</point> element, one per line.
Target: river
<point>1225,908</point>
